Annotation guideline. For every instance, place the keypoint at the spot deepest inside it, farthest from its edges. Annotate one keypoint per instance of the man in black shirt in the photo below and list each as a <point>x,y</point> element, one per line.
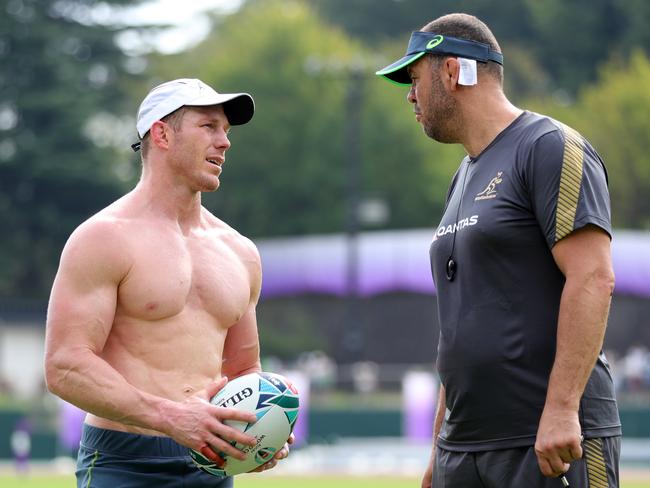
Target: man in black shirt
<point>522,266</point>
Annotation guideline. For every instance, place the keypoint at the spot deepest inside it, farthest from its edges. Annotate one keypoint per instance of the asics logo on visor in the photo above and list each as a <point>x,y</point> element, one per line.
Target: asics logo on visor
<point>434,42</point>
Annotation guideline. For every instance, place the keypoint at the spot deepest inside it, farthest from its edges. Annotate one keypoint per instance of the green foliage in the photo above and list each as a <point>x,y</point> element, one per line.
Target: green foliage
<point>402,165</point>
<point>396,18</point>
<point>65,93</point>
<point>564,42</point>
<point>613,115</point>
<point>620,131</point>
<point>634,32</point>
<point>570,58</point>
<point>283,174</point>
<point>287,171</point>
<point>56,74</point>
<point>289,331</point>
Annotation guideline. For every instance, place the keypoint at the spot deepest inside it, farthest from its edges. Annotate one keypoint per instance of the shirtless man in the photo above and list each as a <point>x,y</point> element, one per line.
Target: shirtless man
<point>153,305</point>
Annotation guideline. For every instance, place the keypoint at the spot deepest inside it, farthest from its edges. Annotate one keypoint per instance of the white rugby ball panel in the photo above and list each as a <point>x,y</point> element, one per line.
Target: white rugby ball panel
<point>274,401</point>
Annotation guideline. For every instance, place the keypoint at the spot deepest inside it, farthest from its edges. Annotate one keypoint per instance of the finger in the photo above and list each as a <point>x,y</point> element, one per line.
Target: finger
<point>215,387</point>
<point>216,443</point>
<point>551,462</point>
<point>212,456</point>
<point>237,415</point>
<point>266,466</point>
<point>545,466</point>
<point>292,439</point>
<point>559,467</point>
<point>226,433</point>
<point>282,453</point>
<point>576,451</point>
<point>566,455</point>
<point>427,478</point>
<point>229,434</point>
<point>229,431</point>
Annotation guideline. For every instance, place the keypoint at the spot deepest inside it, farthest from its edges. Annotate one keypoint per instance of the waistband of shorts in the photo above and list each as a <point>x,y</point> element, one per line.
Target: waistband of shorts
<point>126,443</point>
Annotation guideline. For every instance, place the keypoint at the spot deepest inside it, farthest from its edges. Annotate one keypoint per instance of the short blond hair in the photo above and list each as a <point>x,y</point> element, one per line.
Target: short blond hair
<point>173,119</point>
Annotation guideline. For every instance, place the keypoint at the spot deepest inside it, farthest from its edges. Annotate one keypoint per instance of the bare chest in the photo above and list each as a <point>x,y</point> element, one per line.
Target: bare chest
<point>202,277</point>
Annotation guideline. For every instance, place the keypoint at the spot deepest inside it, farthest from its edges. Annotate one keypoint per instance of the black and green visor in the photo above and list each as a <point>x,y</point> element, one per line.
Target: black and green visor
<point>430,42</point>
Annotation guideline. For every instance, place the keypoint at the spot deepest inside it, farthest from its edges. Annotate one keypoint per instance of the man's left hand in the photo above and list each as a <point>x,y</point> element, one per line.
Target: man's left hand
<point>281,454</point>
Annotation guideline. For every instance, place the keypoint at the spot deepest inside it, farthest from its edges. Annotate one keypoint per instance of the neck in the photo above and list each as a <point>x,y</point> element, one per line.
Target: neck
<point>484,115</point>
<point>161,192</point>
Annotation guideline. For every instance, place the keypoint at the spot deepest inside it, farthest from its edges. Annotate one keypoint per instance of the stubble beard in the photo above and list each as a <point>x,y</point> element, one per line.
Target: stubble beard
<point>439,121</point>
<point>186,160</point>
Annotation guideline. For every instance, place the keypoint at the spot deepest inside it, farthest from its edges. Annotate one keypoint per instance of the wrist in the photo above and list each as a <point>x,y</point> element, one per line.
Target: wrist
<point>559,413</point>
<point>562,403</point>
<point>561,396</point>
<point>163,415</point>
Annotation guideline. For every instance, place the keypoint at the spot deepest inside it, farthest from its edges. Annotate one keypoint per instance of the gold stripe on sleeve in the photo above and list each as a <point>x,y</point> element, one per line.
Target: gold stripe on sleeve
<point>570,183</point>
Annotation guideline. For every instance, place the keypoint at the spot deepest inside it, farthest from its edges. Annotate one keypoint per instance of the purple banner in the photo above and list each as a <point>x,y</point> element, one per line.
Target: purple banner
<point>398,261</point>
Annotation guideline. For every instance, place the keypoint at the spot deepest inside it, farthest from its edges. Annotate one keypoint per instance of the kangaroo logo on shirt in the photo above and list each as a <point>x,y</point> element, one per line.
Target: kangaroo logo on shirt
<point>491,189</point>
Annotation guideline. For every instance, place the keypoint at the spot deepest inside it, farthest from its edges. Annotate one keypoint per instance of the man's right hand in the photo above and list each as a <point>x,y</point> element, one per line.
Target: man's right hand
<point>199,425</point>
<point>428,474</point>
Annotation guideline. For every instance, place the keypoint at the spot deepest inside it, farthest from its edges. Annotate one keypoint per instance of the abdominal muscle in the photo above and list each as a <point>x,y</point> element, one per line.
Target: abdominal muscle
<point>172,358</point>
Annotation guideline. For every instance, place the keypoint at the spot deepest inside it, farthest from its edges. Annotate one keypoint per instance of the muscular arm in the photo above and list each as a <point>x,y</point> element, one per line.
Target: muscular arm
<point>241,350</point>
<point>437,424</point>
<point>585,260</point>
<point>80,317</point>
<point>79,320</point>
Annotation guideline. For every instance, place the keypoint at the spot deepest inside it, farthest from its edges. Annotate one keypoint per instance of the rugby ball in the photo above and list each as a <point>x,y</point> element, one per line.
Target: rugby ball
<point>274,401</point>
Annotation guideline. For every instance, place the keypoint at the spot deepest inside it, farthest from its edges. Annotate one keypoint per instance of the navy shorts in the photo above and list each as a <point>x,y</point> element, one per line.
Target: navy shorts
<point>518,468</point>
<point>112,459</point>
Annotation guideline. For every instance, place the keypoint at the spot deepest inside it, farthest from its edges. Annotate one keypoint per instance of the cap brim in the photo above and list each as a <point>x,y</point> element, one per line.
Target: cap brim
<point>238,107</point>
<point>397,72</point>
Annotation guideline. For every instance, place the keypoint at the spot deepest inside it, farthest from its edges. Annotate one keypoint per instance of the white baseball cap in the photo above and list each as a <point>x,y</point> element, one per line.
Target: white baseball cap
<point>172,95</point>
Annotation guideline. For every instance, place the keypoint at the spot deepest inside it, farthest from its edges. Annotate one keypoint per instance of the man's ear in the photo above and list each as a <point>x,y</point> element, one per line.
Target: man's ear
<point>159,134</point>
<point>450,73</point>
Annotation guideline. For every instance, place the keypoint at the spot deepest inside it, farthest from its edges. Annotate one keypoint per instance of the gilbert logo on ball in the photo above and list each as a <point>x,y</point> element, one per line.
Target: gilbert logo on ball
<point>274,401</point>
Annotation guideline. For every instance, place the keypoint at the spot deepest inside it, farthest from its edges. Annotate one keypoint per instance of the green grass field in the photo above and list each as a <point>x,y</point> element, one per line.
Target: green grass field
<point>247,481</point>
<point>263,481</point>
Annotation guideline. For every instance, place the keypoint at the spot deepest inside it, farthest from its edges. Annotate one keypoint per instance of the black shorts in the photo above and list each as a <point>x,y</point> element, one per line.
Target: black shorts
<point>518,468</point>
<point>112,459</point>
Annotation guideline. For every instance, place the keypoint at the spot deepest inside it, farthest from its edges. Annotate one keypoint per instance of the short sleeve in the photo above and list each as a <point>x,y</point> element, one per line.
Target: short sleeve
<point>567,184</point>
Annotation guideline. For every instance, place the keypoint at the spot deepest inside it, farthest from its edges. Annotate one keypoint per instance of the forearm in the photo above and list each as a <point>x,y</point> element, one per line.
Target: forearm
<point>437,422</point>
<point>440,414</point>
<point>89,382</point>
<point>584,308</point>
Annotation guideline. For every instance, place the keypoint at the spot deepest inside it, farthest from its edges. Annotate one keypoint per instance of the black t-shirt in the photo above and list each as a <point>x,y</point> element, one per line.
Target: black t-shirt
<point>533,185</point>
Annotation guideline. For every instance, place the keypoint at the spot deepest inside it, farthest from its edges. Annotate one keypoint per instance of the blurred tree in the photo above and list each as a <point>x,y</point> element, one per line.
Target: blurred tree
<point>573,38</point>
<point>286,171</point>
<point>634,26</point>
<point>621,132</point>
<point>549,45</point>
<point>374,20</point>
<point>613,115</point>
<point>60,74</point>
<point>64,85</point>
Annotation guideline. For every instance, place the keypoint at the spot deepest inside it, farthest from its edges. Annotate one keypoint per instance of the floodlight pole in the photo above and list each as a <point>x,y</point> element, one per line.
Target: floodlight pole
<point>353,333</point>
<point>352,74</point>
